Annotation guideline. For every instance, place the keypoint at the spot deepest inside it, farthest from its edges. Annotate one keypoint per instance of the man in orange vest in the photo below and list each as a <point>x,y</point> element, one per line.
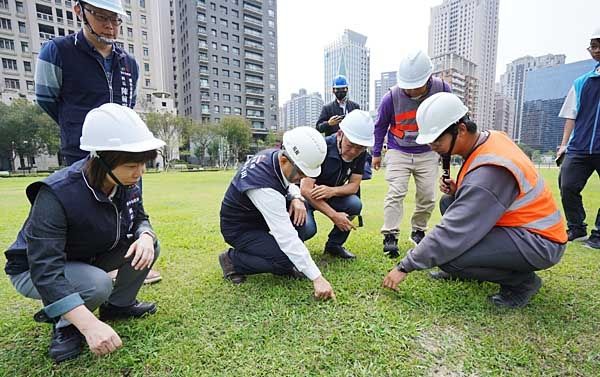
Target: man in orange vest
<point>500,222</point>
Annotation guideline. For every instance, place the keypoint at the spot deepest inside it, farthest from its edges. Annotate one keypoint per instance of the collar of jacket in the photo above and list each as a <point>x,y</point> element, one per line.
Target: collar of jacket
<point>98,194</point>
<point>82,43</point>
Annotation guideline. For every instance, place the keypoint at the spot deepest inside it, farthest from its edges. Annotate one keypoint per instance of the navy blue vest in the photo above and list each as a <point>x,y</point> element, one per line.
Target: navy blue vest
<point>85,87</point>
<point>585,139</point>
<point>94,224</point>
<point>237,210</point>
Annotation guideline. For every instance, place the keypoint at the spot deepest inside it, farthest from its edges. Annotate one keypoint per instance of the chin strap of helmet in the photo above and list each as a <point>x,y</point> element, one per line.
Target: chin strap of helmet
<point>105,165</point>
<point>446,156</point>
<point>295,168</point>
<point>98,37</point>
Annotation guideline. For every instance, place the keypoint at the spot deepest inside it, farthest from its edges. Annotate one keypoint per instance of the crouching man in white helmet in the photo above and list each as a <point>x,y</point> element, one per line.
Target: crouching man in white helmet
<point>85,220</point>
<point>255,219</point>
<point>334,191</point>
<point>500,222</point>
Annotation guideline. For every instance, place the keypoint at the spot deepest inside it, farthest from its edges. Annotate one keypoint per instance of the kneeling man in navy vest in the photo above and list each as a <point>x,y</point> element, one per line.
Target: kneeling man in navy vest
<point>261,207</point>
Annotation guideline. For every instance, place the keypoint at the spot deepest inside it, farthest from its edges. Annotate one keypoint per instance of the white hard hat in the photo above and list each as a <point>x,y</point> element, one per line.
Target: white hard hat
<point>110,5</point>
<point>436,114</point>
<point>358,127</point>
<point>307,149</point>
<point>415,69</point>
<point>596,34</point>
<point>113,127</point>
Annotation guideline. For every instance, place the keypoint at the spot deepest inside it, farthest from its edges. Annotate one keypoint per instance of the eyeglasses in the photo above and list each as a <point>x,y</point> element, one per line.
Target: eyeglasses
<point>103,18</point>
<point>594,48</point>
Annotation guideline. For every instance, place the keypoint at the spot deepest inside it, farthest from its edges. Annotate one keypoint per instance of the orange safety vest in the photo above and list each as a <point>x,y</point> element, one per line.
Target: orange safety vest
<point>534,208</point>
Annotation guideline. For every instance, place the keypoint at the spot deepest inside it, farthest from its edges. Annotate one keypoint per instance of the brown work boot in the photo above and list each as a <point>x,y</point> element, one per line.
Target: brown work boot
<point>229,270</point>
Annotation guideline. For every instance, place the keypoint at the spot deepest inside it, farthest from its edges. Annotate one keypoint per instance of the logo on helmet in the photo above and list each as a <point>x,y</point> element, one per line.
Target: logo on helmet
<point>295,149</point>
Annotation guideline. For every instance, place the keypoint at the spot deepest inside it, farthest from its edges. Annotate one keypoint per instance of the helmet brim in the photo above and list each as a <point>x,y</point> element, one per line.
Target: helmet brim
<point>428,139</point>
<point>360,141</point>
<point>311,173</point>
<point>413,84</point>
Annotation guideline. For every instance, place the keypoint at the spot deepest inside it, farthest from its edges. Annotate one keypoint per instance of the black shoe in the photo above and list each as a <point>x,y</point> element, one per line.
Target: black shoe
<point>416,236</point>
<point>109,311</point>
<point>296,274</point>
<point>66,343</point>
<point>516,297</point>
<point>229,270</point>
<point>390,246</point>
<point>593,242</point>
<point>339,251</point>
<point>576,234</point>
<point>441,275</point>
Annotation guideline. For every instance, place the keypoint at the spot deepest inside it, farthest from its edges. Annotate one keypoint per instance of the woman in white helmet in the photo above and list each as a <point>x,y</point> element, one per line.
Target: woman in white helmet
<point>261,207</point>
<point>85,220</point>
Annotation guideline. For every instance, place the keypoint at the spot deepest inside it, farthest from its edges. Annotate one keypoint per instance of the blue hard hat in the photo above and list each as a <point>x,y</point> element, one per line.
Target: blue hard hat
<point>339,81</point>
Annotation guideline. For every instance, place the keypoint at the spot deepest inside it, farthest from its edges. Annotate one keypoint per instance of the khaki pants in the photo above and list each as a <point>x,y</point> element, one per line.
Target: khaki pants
<point>399,167</point>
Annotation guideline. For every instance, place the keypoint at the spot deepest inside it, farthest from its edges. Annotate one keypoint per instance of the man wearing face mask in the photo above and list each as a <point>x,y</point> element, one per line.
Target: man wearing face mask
<point>404,157</point>
<point>334,191</point>
<point>261,207</point>
<point>82,71</point>
<point>333,113</point>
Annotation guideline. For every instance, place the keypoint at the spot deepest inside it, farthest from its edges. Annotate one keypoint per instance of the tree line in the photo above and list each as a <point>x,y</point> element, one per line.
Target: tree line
<point>26,131</point>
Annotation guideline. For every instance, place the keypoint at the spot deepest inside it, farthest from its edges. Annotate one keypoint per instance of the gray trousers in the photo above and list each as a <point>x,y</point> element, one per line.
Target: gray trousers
<point>92,281</point>
<point>495,258</point>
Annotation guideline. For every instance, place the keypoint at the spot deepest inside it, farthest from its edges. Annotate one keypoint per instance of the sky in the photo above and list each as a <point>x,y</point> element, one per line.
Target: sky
<point>394,27</point>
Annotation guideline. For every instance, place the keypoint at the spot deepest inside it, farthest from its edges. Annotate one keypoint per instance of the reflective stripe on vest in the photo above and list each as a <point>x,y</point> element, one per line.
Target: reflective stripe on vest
<point>534,208</point>
<point>404,122</point>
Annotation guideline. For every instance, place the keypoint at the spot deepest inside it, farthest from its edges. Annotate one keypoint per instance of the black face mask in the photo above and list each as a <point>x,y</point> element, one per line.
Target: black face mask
<point>340,94</point>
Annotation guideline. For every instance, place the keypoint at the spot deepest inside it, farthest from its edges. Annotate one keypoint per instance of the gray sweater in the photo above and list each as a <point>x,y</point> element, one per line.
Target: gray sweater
<point>484,196</point>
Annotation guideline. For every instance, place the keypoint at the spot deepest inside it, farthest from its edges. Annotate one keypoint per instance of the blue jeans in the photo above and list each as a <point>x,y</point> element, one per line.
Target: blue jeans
<point>350,204</point>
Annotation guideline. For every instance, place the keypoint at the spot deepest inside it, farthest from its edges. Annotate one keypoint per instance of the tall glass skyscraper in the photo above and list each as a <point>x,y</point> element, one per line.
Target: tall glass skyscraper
<point>545,92</point>
<point>348,56</point>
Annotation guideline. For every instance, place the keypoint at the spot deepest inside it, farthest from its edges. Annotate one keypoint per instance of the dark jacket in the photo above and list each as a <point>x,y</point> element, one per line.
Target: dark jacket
<point>71,80</point>
<point>330,110</point>
<point>84,223</point>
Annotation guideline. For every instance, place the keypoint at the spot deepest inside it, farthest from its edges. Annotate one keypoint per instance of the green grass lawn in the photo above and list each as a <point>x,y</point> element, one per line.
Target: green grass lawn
<point>271,326</point>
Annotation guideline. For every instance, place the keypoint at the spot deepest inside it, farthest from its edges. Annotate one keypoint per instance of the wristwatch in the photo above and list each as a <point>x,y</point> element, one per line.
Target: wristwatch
<point>400,267</point>
<point>299,197</point>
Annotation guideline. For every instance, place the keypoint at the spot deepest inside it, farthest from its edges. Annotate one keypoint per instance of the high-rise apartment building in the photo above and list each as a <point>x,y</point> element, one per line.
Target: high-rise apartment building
<point>388,79</point>
<point>469,28</point>
<point>513,81</point>
<point>504,113</point>
<point>227,61</point>
<point>545,93</point>
<point>26,25</point>
<point>348,56</point>
<point>460,73</point>
<point>303,109</point>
